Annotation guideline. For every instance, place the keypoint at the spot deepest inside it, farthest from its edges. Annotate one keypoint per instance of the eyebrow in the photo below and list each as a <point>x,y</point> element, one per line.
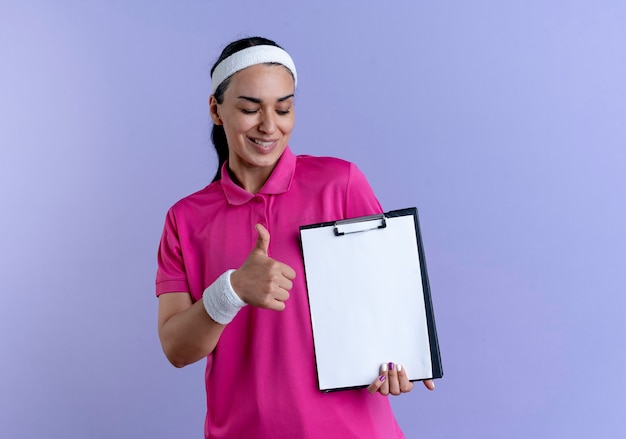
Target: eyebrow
<point>258,101</point>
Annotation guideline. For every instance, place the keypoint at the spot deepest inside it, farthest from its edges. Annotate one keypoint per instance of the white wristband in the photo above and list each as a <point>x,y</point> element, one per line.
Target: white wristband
<point>220,300</point>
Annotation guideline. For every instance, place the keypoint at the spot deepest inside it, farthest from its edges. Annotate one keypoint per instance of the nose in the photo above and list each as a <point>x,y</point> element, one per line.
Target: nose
<point>267,124</point>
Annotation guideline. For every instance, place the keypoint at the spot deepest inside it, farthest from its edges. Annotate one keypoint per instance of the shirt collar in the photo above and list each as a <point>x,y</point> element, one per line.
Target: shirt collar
<point>278,182</point>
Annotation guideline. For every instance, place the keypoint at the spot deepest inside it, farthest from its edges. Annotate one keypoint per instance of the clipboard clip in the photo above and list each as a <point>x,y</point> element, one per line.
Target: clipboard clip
<point>361,224</point>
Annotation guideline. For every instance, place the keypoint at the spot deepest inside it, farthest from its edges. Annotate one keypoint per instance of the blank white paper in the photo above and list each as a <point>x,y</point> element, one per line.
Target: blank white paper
<point>367,303</point>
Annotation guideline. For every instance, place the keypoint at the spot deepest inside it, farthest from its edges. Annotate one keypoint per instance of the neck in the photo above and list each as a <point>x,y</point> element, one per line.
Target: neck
<point>252,180</point>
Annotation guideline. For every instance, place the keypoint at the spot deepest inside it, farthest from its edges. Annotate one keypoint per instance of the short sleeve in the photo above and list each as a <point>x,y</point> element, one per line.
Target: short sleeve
<point>360,198</point>
<point>171,276</point>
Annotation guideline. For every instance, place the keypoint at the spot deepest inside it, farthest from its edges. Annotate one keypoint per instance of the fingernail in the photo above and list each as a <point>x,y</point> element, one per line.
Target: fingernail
<point>383,367</point>
<point>381,378</point>
<point>399,367</point>
<point>390,366</point>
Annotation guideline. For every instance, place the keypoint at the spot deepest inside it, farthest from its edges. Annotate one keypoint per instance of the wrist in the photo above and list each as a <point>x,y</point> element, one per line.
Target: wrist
<point>220,300</point>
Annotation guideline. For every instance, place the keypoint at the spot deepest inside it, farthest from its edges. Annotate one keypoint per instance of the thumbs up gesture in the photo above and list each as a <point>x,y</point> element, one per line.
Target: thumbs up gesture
<point>262,281</point>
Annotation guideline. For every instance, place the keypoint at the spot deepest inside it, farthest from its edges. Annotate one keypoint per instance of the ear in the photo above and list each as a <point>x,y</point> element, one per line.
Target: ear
<point>214,111</point>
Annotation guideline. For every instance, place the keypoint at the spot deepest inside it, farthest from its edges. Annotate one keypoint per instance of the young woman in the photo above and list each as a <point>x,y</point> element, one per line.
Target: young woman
<point>230,278</point>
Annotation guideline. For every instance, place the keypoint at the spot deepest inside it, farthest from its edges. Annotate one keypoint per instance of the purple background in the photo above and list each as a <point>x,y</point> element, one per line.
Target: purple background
<point>503,122</point>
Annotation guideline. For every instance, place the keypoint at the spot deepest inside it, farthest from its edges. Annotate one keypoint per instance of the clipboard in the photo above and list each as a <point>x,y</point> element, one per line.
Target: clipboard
<point>369,299</point>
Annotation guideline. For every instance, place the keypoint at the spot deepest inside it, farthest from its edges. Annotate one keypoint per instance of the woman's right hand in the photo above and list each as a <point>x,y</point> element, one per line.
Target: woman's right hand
<point>262,281</point>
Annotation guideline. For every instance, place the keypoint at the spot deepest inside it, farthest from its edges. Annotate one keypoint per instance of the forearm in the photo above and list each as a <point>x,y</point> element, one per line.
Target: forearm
<point>188,334</point>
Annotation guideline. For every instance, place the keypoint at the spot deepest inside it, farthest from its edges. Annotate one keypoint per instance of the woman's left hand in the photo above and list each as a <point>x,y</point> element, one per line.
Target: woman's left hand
<point>393,380</point>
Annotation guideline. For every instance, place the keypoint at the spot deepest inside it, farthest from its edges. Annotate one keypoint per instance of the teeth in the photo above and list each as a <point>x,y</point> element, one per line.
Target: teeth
<point>264,144</point>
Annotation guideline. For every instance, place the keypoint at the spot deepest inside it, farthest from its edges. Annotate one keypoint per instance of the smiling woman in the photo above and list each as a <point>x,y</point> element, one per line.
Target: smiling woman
<point>247,52</point>
<point>230,294</point>
<point>257,116</point>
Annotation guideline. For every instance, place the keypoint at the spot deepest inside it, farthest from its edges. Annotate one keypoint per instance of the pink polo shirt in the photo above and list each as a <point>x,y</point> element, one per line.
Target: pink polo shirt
<point>261,379</point>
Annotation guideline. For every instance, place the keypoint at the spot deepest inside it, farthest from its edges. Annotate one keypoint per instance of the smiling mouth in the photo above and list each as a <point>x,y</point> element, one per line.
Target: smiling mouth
<point>264,144</point>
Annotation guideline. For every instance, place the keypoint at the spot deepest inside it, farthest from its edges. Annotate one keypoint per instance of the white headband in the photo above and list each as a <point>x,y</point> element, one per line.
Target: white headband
<point>249,57</point>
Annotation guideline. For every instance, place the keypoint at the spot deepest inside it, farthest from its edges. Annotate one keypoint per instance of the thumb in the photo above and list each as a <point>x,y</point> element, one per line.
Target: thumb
<point>263,241</point>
